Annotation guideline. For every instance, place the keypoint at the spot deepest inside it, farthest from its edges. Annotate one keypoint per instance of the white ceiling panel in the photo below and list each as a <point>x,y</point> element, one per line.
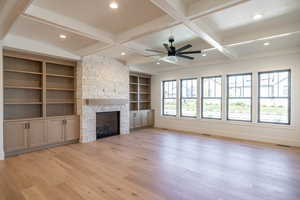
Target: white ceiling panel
<point>35,30</point>
<point>97,13</point>
<point>239,19</point>
<point>275,44</point>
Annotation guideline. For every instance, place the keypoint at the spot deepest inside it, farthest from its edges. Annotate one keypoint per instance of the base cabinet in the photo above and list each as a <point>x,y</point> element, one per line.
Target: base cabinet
<point>15,136</point>
<point>142,118</point>
<point>25,135</point>
<point>55,131</point>
<point>71,129</point>
<point>36,133</point>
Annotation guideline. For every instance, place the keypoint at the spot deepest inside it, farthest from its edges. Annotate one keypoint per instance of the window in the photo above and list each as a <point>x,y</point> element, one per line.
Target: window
<point>188,97</point>
<point>239,97</point>
<point>211,104</point>
<point>274,97</point>
<point>169,98</point>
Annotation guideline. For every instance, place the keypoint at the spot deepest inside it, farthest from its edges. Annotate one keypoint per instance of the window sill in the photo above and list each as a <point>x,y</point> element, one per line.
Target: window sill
<point>236,123</point>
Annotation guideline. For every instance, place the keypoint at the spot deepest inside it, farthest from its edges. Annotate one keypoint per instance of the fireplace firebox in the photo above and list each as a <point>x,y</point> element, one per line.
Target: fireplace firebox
<point>107,124</point>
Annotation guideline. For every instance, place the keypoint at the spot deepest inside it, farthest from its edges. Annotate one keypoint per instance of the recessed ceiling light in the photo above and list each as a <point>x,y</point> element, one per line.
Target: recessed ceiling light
<point>158,63</point>
<point>114,5</point>
<point>62,36</point>
<point>123,53</point>
<point>267,43</point>
<point>257,16</point>
<point>204,54</point>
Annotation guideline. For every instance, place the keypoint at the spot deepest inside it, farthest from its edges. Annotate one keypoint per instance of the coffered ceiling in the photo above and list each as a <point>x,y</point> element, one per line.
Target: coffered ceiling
<point>224,29</point>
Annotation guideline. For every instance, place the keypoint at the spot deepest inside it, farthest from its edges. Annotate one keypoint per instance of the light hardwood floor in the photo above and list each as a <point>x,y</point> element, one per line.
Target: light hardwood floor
<point>154,164</point>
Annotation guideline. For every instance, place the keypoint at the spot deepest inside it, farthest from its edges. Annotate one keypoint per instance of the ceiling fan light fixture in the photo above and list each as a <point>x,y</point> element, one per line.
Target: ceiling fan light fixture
<point>170,59</point>
<point>257,16</point>
<point>123,54</point>
<point>204,54</point>
<point>114,5</point>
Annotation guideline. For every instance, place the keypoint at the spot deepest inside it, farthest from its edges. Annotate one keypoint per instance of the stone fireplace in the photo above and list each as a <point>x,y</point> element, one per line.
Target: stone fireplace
<point>103,86</point>
<point>94,107</point>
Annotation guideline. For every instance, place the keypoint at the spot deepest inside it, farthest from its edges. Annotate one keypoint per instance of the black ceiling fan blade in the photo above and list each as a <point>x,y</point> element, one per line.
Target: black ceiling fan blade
<point>187,57</point>
<point>161,54</point>
<point>167,47</point>
<point>184,48</point>
<point>156,51</point>
<point>189,52</point>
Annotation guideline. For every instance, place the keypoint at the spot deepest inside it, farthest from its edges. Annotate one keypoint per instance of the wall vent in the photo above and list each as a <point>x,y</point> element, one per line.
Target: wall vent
<point>282,145</point>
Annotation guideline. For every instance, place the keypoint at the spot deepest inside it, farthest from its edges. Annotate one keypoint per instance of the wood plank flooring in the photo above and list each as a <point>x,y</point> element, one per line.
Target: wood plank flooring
<point>154,164</point>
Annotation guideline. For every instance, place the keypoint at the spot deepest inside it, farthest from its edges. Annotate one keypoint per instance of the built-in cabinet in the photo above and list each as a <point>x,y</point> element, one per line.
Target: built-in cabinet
<point>141,114</point>
<point>39,101</point>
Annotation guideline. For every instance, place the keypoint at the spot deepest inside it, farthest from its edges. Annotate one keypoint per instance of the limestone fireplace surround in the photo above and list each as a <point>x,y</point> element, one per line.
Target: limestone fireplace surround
<point>88,116</point>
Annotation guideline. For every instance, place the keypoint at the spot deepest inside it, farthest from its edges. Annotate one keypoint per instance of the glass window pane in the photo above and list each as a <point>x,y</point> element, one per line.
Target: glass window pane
<point>211,108</point>
<point>212,87</point>
<point>169,107</point>
<point>189,107</point>
<point>239,85</point>
<point>239,109</point>
<point>189,88</point>
<point>274,110</point>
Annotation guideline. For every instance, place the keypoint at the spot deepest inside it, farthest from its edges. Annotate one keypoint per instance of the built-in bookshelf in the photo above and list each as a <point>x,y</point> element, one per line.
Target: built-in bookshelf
<point>140,91</point>
<point>37,88</point>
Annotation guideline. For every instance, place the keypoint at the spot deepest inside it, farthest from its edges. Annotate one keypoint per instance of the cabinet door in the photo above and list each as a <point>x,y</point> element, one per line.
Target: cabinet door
<point>138,120</point>
<point>72,129</point>
<point>150,118</point>
<point>15,136</point>
<point>55,129</point>
<point>133,116</point>
<point>36,133</point>
<point>144,118</point>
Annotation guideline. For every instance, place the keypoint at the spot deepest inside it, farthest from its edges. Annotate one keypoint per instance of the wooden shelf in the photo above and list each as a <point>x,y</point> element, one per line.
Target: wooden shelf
<point>139,88</point>
<point>61,89</point>
<point>37,88</point>
<point>21,71</point>
<point>22,87</point>
<point>61,102</point>
<point>59,75</point>
<point>22,103</point>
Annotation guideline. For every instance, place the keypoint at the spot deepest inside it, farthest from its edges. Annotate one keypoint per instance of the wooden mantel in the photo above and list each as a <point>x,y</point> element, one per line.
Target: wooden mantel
<point>106,101</point>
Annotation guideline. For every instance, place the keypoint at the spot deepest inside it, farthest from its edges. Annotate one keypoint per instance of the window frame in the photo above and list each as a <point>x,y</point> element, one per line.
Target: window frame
<point>163,98</point>
<point>289,96</point>
<point>196,98</point>
<point>227,97</point>
<point>220,98</point>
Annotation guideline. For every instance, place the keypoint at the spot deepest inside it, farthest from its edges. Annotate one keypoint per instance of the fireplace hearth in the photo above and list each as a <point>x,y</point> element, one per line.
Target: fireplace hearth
<point>107,124</point>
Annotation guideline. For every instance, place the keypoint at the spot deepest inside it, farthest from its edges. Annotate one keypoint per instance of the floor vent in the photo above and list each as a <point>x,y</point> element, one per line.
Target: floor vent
<point>281,145</point>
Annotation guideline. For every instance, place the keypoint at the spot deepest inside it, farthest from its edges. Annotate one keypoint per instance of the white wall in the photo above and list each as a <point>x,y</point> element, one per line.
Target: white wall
<point>280,134</point>
<point>1,103</point>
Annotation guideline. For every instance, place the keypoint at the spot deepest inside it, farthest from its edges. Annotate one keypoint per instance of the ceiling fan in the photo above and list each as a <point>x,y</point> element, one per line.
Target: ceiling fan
<point>172,53</point>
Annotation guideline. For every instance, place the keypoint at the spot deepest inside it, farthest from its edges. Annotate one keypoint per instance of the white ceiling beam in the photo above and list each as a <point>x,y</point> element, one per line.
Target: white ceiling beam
<point>97,47</point>
<point>153,26</point>
<point>10,10</point>
<point>177,10</point>
<point>66,23</point>
<point>207,7</point>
